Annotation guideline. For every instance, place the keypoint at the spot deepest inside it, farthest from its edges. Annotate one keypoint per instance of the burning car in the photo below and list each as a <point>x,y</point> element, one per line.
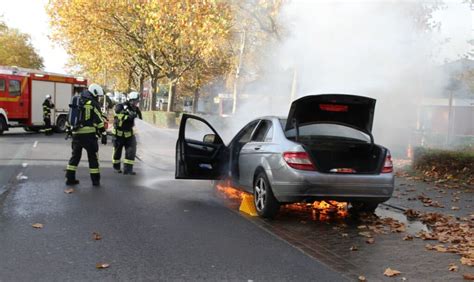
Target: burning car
<point>323,150</point>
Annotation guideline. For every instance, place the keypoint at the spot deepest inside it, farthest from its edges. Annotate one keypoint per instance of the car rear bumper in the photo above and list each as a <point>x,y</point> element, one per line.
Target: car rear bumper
<point>297,186</point>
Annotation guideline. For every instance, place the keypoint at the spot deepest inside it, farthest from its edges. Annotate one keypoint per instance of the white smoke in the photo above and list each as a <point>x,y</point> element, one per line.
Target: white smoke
<point>367,48</point>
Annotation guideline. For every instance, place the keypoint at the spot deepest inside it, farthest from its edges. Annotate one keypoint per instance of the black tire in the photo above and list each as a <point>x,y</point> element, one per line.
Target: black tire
<point>61,124</point>
<point>266,204</point>
<point>364,206</point>
<point>3,125</point>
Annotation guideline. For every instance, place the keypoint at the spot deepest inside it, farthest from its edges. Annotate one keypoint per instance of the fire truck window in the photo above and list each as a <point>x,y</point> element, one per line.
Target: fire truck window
<point>2,85</point>
<point>14,88</point>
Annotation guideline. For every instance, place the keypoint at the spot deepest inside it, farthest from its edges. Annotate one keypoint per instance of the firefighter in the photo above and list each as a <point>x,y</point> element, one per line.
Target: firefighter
<point>85,136</point>
<point>47,106</point>
<point>124,137</point>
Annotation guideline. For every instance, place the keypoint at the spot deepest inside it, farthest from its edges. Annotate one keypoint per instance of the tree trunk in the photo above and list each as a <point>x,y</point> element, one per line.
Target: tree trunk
<point>154,86</point>
<point>141,86</point>
<point>197,93</point>
<point>130,79</point>
<point>171,96</point>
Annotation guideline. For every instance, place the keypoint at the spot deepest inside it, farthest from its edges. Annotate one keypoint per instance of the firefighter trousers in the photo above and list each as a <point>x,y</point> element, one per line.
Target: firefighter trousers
<point>89,143</point>
<point>48,130</point>
<point>130,145</point>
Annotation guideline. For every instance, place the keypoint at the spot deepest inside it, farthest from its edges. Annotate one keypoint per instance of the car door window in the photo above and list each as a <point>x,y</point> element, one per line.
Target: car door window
<point>269,136</point>
<point>246,133</point>
<point>262,130</point>
<point>2,85</point>
<point>14,88</point>
<point>196,130</point>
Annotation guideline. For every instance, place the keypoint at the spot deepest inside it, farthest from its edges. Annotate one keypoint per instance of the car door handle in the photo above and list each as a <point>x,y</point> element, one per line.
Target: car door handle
<point>257,148</point>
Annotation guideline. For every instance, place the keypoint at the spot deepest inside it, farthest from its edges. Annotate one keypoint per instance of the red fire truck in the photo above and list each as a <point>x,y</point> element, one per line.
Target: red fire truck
<point>23,91</point>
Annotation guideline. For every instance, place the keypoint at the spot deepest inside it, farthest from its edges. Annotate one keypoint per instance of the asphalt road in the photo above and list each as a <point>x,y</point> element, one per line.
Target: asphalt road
<point>152,226</point>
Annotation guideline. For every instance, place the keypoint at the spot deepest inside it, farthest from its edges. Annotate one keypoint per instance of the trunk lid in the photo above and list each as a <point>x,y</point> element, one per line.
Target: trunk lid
<point>351,110</point>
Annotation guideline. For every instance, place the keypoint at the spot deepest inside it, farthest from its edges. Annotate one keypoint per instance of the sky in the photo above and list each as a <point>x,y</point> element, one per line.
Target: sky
<point>30,17</point>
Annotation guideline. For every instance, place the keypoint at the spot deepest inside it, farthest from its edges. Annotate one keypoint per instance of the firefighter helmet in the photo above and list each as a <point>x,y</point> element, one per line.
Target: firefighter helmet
<point>96,90</point>
<point>48,96</point>
<point>133,96</point>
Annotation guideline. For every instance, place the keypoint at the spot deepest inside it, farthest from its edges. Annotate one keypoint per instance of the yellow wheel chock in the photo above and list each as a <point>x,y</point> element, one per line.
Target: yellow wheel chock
<point>247,205</point>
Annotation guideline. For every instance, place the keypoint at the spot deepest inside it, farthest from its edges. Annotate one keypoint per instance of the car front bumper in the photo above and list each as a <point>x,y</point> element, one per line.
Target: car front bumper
<point>290,185</point>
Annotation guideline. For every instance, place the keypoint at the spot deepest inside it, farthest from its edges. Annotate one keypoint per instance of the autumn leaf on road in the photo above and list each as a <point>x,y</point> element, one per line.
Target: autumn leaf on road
<point>391,272</point>
<point>408,238</point>
<point>69,191</point>
<point>37,225</point>
<point>467,261</point>
<point>453,267</point>
<point>370,241</point>
<point>365,234</point>
<point>353,248</point>
<point>96,236</point>
<point>102,265</point>
<point>455,208</point>
<point>362,278</point>
<point>468,276</point>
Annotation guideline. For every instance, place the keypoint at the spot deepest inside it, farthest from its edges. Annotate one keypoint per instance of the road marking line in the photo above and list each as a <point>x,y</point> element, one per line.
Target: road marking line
<point>35,144</point>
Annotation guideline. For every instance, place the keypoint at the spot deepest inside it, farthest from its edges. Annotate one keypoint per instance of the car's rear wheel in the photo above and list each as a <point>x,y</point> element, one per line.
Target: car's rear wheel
<point>364,206</point>
<point>266,204</point>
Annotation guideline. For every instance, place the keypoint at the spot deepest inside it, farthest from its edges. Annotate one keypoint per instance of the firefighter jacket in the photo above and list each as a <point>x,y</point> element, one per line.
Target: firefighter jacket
<point>47,106</point>
<point>124,120</point>
<point>92,121</point>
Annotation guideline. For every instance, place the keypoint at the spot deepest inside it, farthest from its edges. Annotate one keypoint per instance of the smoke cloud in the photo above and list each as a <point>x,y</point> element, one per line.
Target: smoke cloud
<point>367,48</point>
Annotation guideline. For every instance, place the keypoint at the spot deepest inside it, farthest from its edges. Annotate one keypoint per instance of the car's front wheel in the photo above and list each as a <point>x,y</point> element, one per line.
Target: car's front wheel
<point>266,204</point>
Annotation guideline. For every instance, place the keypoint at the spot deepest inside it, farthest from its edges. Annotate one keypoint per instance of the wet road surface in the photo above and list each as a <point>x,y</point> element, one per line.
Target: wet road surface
<point>152,227</point>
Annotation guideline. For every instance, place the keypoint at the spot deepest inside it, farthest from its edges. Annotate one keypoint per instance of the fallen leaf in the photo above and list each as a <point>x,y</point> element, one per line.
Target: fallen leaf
<point>38,225</point>
<point>455,208</point>
<point>362,227</point>
<point>96,236</point>
<point>391,272</point>
<point>353,248</point>
<point>453,267</point>
<point>345,235</point>
<point>370,241</point>
<point>468,276</point>
<point>69,191</point>
<point>362,278</point>
<point>408,238</point>
<point>102,265</point>
<point>365,234</point>
<point>467,261</point>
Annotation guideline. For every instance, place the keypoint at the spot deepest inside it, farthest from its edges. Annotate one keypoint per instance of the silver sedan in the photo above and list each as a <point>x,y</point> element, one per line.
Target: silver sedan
<point>323,150</point>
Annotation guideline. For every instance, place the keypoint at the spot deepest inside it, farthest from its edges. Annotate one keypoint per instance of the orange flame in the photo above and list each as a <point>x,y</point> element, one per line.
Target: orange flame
<point>228,191</point>
<point>321,210</point>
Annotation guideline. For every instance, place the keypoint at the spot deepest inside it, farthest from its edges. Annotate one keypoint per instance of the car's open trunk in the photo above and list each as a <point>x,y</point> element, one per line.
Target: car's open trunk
<point>331,156</point>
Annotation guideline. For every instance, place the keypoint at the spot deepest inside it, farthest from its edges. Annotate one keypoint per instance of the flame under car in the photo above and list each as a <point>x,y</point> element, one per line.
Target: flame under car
<point>323,150</point>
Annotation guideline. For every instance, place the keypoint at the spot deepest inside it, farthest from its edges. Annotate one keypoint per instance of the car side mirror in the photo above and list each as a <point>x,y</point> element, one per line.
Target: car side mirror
<point>209,138</point>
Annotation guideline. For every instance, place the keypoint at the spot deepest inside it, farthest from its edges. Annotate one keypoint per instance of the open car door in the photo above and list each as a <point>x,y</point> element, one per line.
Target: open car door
<point>200,151</point>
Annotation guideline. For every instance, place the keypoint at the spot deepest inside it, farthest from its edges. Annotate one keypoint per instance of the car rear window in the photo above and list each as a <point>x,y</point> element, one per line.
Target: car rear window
<point>326,130</point>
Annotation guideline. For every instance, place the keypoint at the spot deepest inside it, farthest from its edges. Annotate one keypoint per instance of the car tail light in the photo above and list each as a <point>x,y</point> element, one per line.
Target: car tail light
<point>298,160</point>
<point>388,164</point>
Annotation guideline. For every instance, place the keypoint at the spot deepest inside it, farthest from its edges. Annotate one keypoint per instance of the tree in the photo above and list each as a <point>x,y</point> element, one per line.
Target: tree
<point>16,49</point>
<point>162,39</point>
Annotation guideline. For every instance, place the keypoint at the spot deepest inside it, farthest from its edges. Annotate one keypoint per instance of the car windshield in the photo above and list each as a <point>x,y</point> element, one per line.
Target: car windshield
<point>326,130</point>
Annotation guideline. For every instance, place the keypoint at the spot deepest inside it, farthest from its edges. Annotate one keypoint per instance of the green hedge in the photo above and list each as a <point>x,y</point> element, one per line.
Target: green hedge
<point>162,119</point>
<point>444,163</point>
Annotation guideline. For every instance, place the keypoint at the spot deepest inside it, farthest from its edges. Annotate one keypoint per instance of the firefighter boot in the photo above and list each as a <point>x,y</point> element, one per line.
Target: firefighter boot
<point>95,177</point>
<point>128,169</point>
<point>71,178</point>
<point>117,167</point>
